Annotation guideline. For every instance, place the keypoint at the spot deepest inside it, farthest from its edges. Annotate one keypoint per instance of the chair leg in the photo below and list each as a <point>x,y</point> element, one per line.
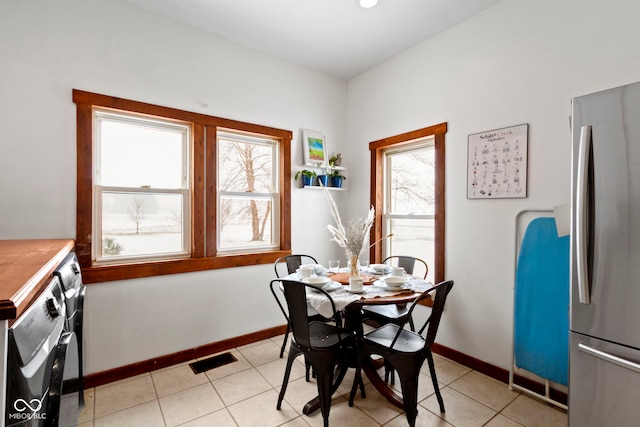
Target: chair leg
<point>323,367</point>
<point>434,379</point>
<point>409,385</point>
<point>357,381</point>
<point>284,341</point>
<point>287,372</point>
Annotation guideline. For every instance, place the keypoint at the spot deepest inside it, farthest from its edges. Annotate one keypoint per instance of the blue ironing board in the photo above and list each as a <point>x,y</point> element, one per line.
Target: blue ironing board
<point>541,335</point>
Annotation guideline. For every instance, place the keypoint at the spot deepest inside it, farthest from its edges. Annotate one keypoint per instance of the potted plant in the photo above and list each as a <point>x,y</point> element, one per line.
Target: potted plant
<point>324,179</point>
<point>307,177</point>
<point>336,178</point>
<point>335,160</point>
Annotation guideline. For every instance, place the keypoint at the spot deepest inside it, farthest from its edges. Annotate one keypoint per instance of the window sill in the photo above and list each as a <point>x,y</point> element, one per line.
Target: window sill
<point>109,273</point>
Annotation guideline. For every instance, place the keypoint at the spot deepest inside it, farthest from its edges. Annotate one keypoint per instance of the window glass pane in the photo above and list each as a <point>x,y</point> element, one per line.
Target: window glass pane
<point>411,184</point>
<point>138,154</point>
<point>245,166</point>
<point>142,224</point>
<point>245,223</point>
<point>413,237</point>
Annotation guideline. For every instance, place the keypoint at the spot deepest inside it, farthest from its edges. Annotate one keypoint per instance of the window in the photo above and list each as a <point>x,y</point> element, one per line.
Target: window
<point>410,170</point>
<point>141,188</point>
<point>247,192</point>
<point>164,191</point>
<point>409,201</point>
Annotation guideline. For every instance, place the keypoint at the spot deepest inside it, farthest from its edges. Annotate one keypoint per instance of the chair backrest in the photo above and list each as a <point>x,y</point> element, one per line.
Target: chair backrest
<point>441,290</point>
<point>295,295</point>
<point>293,262</point>
<point>407,262</point>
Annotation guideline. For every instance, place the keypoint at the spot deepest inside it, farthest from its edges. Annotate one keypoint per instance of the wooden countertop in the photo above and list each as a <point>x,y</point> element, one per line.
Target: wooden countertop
<point>25,266</point>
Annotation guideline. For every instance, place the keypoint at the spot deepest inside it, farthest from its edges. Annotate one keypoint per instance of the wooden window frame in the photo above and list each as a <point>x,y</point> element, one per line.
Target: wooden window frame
<point>377,149</point>
<point>204,193</point>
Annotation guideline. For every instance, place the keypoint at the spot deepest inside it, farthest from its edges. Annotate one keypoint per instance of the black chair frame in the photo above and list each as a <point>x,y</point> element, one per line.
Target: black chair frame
<point>394,313</point>
<point>406,351</point>
<point>293,262</point>
<point>329,348</point>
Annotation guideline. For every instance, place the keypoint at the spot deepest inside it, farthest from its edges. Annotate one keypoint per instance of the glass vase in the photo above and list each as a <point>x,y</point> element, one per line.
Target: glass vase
<point>353,265</point>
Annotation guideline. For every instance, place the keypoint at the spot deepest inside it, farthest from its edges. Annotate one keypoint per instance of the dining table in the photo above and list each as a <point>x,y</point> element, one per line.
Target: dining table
<point>374,292</point>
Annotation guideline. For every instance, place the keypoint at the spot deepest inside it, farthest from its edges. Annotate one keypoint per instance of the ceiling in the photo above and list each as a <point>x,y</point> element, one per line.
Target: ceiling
<point>336,37</point>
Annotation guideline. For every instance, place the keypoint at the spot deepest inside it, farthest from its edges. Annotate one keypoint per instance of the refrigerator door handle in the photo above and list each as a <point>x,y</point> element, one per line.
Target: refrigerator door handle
<point>609,358</point>
<point>582,219</point>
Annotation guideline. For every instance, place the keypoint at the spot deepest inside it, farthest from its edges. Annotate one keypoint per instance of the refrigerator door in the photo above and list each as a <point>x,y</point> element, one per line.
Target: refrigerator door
<point>604,383</point>
<point>605,238</point>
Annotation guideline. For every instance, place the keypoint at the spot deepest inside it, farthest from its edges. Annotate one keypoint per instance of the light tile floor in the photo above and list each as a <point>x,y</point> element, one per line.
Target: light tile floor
<point>244,394</point>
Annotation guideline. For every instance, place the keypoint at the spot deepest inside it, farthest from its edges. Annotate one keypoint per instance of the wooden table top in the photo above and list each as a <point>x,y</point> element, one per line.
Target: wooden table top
<point>26,266</point>
<point>344,278</point>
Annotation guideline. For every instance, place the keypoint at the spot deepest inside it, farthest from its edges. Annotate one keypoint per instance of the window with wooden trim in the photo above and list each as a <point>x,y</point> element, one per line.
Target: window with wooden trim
<point>407,191</point>
<point>164,191</point>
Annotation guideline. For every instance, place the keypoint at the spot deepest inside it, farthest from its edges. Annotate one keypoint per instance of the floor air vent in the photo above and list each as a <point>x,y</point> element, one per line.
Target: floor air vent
<point>212,362</point>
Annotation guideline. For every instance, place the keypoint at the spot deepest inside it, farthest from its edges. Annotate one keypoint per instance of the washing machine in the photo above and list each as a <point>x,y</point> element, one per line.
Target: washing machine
<point>73,290</point>
<point>37,347</point>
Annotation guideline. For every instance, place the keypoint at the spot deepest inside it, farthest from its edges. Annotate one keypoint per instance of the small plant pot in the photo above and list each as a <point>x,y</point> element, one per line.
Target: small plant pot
<point>336,181</point>
<point>324,179</point>
<point>307,181</point>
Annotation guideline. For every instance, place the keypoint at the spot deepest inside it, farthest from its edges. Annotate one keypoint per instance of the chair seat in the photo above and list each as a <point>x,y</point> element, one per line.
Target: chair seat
<point>407,342</point>
<point>387,311</point>
<point>325,335</point>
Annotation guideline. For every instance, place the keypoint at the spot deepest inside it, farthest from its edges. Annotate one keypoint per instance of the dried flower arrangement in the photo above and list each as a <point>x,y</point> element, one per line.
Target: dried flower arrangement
<point>354,237</point>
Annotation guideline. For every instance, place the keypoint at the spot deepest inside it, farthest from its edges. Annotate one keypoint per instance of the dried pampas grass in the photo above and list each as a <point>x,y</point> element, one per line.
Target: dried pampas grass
<point>354,237</point>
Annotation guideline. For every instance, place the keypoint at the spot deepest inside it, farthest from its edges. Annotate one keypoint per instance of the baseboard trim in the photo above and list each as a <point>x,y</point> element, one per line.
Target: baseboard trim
<point>115,374</point>
<point>122,372</point>
<point>497,373</point>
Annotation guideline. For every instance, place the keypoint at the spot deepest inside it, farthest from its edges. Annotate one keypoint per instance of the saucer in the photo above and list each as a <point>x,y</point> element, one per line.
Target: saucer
<point>348,289</point>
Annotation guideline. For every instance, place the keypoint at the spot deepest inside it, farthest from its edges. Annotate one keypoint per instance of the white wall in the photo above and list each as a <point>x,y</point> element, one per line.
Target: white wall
<point>105,46</point>
<point>519,62</point>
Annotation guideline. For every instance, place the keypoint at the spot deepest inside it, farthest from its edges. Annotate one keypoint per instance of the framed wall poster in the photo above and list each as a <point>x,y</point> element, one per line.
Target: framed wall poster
<point>497,163</point>
<point>314,147</point>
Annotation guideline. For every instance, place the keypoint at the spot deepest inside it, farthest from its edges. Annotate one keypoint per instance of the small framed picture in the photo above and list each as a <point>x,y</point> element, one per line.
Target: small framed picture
<point>314,147</point>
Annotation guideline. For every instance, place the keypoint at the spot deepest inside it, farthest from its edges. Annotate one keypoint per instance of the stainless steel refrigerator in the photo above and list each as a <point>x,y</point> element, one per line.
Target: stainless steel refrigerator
<point>604,361</point>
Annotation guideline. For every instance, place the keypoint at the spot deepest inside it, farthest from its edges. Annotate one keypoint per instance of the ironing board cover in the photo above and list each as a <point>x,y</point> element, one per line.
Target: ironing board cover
<point>541,337</point>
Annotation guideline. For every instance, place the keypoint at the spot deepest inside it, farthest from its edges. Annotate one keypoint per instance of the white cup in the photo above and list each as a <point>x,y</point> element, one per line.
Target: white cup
<point>355,283</point>
<point>397,271</point>
<point>306,271</point>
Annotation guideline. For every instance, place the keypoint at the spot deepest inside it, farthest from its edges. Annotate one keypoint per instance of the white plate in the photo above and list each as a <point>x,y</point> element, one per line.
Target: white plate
<point>348,288</point>
<point>316,280</point>
<point>332,286</point>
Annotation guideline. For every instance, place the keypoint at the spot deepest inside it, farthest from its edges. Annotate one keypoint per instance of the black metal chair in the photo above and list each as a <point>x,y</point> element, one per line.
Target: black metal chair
<point>392,313</point>
<point>395,313</point>
<point>326,346</point>
<point>406,351</point>
<point>293,262</point>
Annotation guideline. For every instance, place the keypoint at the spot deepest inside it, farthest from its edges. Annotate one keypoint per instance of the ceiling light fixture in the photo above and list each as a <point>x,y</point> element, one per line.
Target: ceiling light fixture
<point>367,3</point>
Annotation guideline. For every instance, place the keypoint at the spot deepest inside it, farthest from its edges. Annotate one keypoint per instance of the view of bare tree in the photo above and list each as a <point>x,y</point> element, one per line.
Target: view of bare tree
<point>247,168</point>
<point>412,188</point>
<point>137,211</point>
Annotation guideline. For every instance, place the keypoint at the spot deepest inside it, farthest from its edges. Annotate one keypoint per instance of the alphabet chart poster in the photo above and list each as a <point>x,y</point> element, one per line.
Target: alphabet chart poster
<point>497,163</point>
